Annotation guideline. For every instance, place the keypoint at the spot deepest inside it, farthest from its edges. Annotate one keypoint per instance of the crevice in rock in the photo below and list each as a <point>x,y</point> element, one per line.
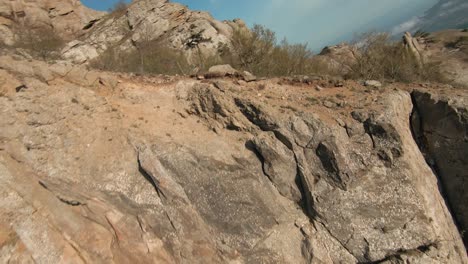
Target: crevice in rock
<point>251,146</point>
<point>417,131</point>
<point>75,247</point>
<point>91,24</point>
<point>62,199</point>
<point>255,115</point>
<point>283,139</point>
<point>70,202</point>
<point>402,252</point>
<point>334,237</point>
<point>306,203</point>
<point>330,163</point>
<point>417,122</point>
<point>115,233</point>
<point>170,221</point>
<point>67,13</point>
<point>150,179</point>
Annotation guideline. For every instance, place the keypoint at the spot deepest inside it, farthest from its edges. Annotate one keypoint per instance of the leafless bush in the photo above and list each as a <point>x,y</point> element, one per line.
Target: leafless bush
<point>383,59</point>
<point>257,51</point>
<point>151,57</point>
<point>250,49</point>
<point>118,9</point>
<point>41,42</point>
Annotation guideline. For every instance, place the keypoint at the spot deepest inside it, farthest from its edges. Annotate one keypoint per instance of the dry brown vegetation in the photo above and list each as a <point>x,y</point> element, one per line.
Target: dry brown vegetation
<point>380,58</point>
<point>259,52</point>
<point>42,42</point>
<point>460,43</point>
<point>118,8</point>
<point>151,57</point>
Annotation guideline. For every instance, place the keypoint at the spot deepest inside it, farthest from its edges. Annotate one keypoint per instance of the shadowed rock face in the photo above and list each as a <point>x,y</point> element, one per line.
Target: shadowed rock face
<point>440,127</point>
<point>97,167</point>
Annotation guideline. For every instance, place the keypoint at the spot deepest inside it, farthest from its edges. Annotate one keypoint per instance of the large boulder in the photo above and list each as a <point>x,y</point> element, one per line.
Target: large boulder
<point>226,70</point>
<point>337,59</point>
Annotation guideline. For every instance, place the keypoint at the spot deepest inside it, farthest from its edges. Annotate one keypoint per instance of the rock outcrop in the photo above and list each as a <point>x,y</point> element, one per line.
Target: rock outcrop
<point>68,18</point>
<point>412,45</point>
<point>98,167</point>
<point>171,24</point>
<point>338,59</point>
<point>447,49</point>
<point>440,125</point>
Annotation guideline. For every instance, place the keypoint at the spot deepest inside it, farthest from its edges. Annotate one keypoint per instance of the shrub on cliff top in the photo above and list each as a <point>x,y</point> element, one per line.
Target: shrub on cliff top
<point>383,59</point>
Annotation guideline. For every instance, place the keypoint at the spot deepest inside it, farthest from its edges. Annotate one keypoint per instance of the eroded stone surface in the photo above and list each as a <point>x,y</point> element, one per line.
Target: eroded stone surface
<point>68,18</point>
<point>173,24</point>
<point>99,167</point>
<point>440,126</point>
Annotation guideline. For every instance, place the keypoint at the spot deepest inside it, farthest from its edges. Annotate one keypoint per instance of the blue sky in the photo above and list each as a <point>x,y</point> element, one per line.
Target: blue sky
<point>316,22</point>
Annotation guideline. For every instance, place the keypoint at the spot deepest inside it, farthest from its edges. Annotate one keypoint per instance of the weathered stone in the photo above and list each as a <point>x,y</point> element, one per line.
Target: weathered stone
<point>373,84</point>
<point>278,164</point>
<point>100,167</point>
<point>68,18</point>
<point>338,59</point>
<point>192,32</point>
<point>225,70</point>
<point>248,77</point>
<point>440,124</point>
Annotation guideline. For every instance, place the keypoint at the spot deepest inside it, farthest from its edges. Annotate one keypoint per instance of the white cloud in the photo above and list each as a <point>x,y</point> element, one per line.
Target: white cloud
<point>448,4</point>
<point>409,25</point>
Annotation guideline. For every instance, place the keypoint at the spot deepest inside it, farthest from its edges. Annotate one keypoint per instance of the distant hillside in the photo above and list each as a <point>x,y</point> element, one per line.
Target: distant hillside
<point>446,14</point>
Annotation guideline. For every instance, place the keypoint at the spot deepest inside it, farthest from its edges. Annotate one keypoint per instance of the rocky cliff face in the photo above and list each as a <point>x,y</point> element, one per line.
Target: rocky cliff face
<point>192,32</point>
<point>68,18</point>
<point>440,125</point>
<point>448,49</point>
<point>98,167</point>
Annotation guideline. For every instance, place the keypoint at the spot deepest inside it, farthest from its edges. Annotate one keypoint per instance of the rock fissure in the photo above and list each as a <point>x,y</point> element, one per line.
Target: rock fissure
<point>398,255</point>
<point>154,182</point>
<point>60,197</point>
<point>449,164</point>
<point>335,238</point>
